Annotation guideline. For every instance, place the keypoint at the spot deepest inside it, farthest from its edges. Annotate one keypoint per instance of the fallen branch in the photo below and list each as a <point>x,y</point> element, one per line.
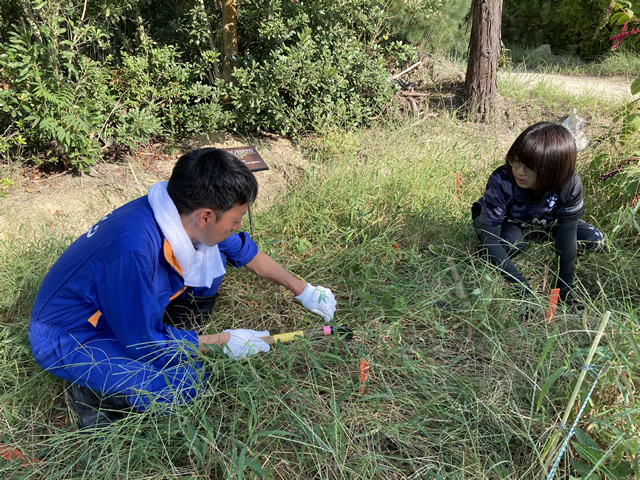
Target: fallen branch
<point>413,94</point>
<point>397,76</point>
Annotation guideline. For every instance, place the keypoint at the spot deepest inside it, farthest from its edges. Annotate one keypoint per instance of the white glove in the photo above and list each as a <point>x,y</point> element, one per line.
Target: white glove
<point>318,300</point>
<point>243,343</point>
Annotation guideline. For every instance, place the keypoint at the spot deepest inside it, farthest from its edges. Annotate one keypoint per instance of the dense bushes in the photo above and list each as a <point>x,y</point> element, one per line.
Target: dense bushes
<point>569,26</point>
<point>75,81</point>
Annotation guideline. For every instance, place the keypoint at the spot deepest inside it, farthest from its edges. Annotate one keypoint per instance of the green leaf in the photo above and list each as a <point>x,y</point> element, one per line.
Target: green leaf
<point>624,413</point>
<point>241,462</point>
<point>548,383</point>
<point>635,86</point>
<point>614,18</point>
<point>619,18</point>
<point>596,163</point>
<point>24,72</point>
<point>255,467</point>
<point>633,344</point>
<point>622,470</point>
<point>582,468</point>
<point>586,453</point>
<point>632,187</point>
<point>630,124</point>
<point>547,349</point>
<point>584,439</point>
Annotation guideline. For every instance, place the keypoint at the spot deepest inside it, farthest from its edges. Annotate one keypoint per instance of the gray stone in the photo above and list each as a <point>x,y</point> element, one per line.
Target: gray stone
<point>543,49</point>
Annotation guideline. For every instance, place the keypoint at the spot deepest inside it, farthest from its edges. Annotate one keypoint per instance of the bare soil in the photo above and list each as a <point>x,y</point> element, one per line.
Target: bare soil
<point>68,204</point>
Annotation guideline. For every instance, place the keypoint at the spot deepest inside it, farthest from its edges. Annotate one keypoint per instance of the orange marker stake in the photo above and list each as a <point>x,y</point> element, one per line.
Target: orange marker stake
<point>553,303</point>
<point>364,375</point>
<point>459,186</point>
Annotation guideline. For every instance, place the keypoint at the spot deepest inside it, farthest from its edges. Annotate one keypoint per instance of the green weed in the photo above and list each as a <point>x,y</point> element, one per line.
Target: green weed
<point>619,62</point>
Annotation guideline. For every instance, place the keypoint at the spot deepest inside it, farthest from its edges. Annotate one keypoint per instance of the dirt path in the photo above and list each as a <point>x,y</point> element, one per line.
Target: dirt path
<point>615,88</point>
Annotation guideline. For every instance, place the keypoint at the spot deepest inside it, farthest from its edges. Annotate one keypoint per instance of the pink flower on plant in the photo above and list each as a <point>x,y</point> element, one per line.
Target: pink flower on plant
<point>624,33</point>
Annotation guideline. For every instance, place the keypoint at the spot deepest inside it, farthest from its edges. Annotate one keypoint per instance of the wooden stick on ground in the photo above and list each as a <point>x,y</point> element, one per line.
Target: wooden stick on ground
<point>460,291</point>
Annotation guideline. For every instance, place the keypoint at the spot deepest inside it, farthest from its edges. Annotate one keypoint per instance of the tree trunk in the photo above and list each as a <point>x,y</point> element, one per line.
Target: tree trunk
<point>481,82</point>
<point>229,38</point>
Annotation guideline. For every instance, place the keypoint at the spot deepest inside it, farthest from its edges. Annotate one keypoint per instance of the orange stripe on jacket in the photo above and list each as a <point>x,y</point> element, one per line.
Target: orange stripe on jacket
<point>170,257</point>
<point>173,261</point>
<point>93,319</point>
<point>177,293</point>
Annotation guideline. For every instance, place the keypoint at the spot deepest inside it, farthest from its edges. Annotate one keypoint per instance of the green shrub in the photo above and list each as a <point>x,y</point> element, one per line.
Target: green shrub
<point>310,84</point>
<point>163,93</point>
<point>117,74</point>
<point>306,65</point>
<point>45,102</point>
<point>569,26</point>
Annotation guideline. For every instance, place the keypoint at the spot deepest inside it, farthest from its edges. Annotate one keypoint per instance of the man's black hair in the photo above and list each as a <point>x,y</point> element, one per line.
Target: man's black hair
<point>211,178</point>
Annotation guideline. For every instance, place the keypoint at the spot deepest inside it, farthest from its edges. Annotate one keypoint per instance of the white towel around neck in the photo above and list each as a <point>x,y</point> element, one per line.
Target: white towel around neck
<point>200,264</point>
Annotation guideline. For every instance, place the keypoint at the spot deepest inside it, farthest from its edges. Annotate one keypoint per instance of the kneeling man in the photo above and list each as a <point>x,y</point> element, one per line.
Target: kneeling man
<point>107,315</point>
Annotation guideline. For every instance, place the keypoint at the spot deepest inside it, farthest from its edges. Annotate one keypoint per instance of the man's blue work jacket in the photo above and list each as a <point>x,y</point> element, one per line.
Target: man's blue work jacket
<point>116,281</point>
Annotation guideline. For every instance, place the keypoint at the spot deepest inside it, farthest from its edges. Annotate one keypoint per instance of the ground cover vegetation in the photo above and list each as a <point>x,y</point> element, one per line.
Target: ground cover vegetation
<point>459,388</point>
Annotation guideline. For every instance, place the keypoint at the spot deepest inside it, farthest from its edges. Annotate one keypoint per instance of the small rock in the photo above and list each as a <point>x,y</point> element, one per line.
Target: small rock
<point>543,49</point>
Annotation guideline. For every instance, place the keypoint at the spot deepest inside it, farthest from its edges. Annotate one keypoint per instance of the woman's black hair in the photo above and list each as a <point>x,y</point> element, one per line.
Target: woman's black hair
<point>211,178</point>
<point>548,149</point>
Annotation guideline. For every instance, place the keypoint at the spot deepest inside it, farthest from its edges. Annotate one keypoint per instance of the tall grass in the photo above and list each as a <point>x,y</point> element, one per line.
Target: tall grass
<point>619,62</point>
<point>459,388</point>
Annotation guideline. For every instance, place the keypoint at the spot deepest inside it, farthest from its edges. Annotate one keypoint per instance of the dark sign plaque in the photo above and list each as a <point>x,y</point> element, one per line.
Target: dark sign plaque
<point>249,156</point>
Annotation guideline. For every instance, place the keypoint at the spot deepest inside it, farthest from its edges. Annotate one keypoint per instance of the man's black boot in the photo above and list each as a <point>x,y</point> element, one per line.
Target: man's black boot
<point>97,410</point>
